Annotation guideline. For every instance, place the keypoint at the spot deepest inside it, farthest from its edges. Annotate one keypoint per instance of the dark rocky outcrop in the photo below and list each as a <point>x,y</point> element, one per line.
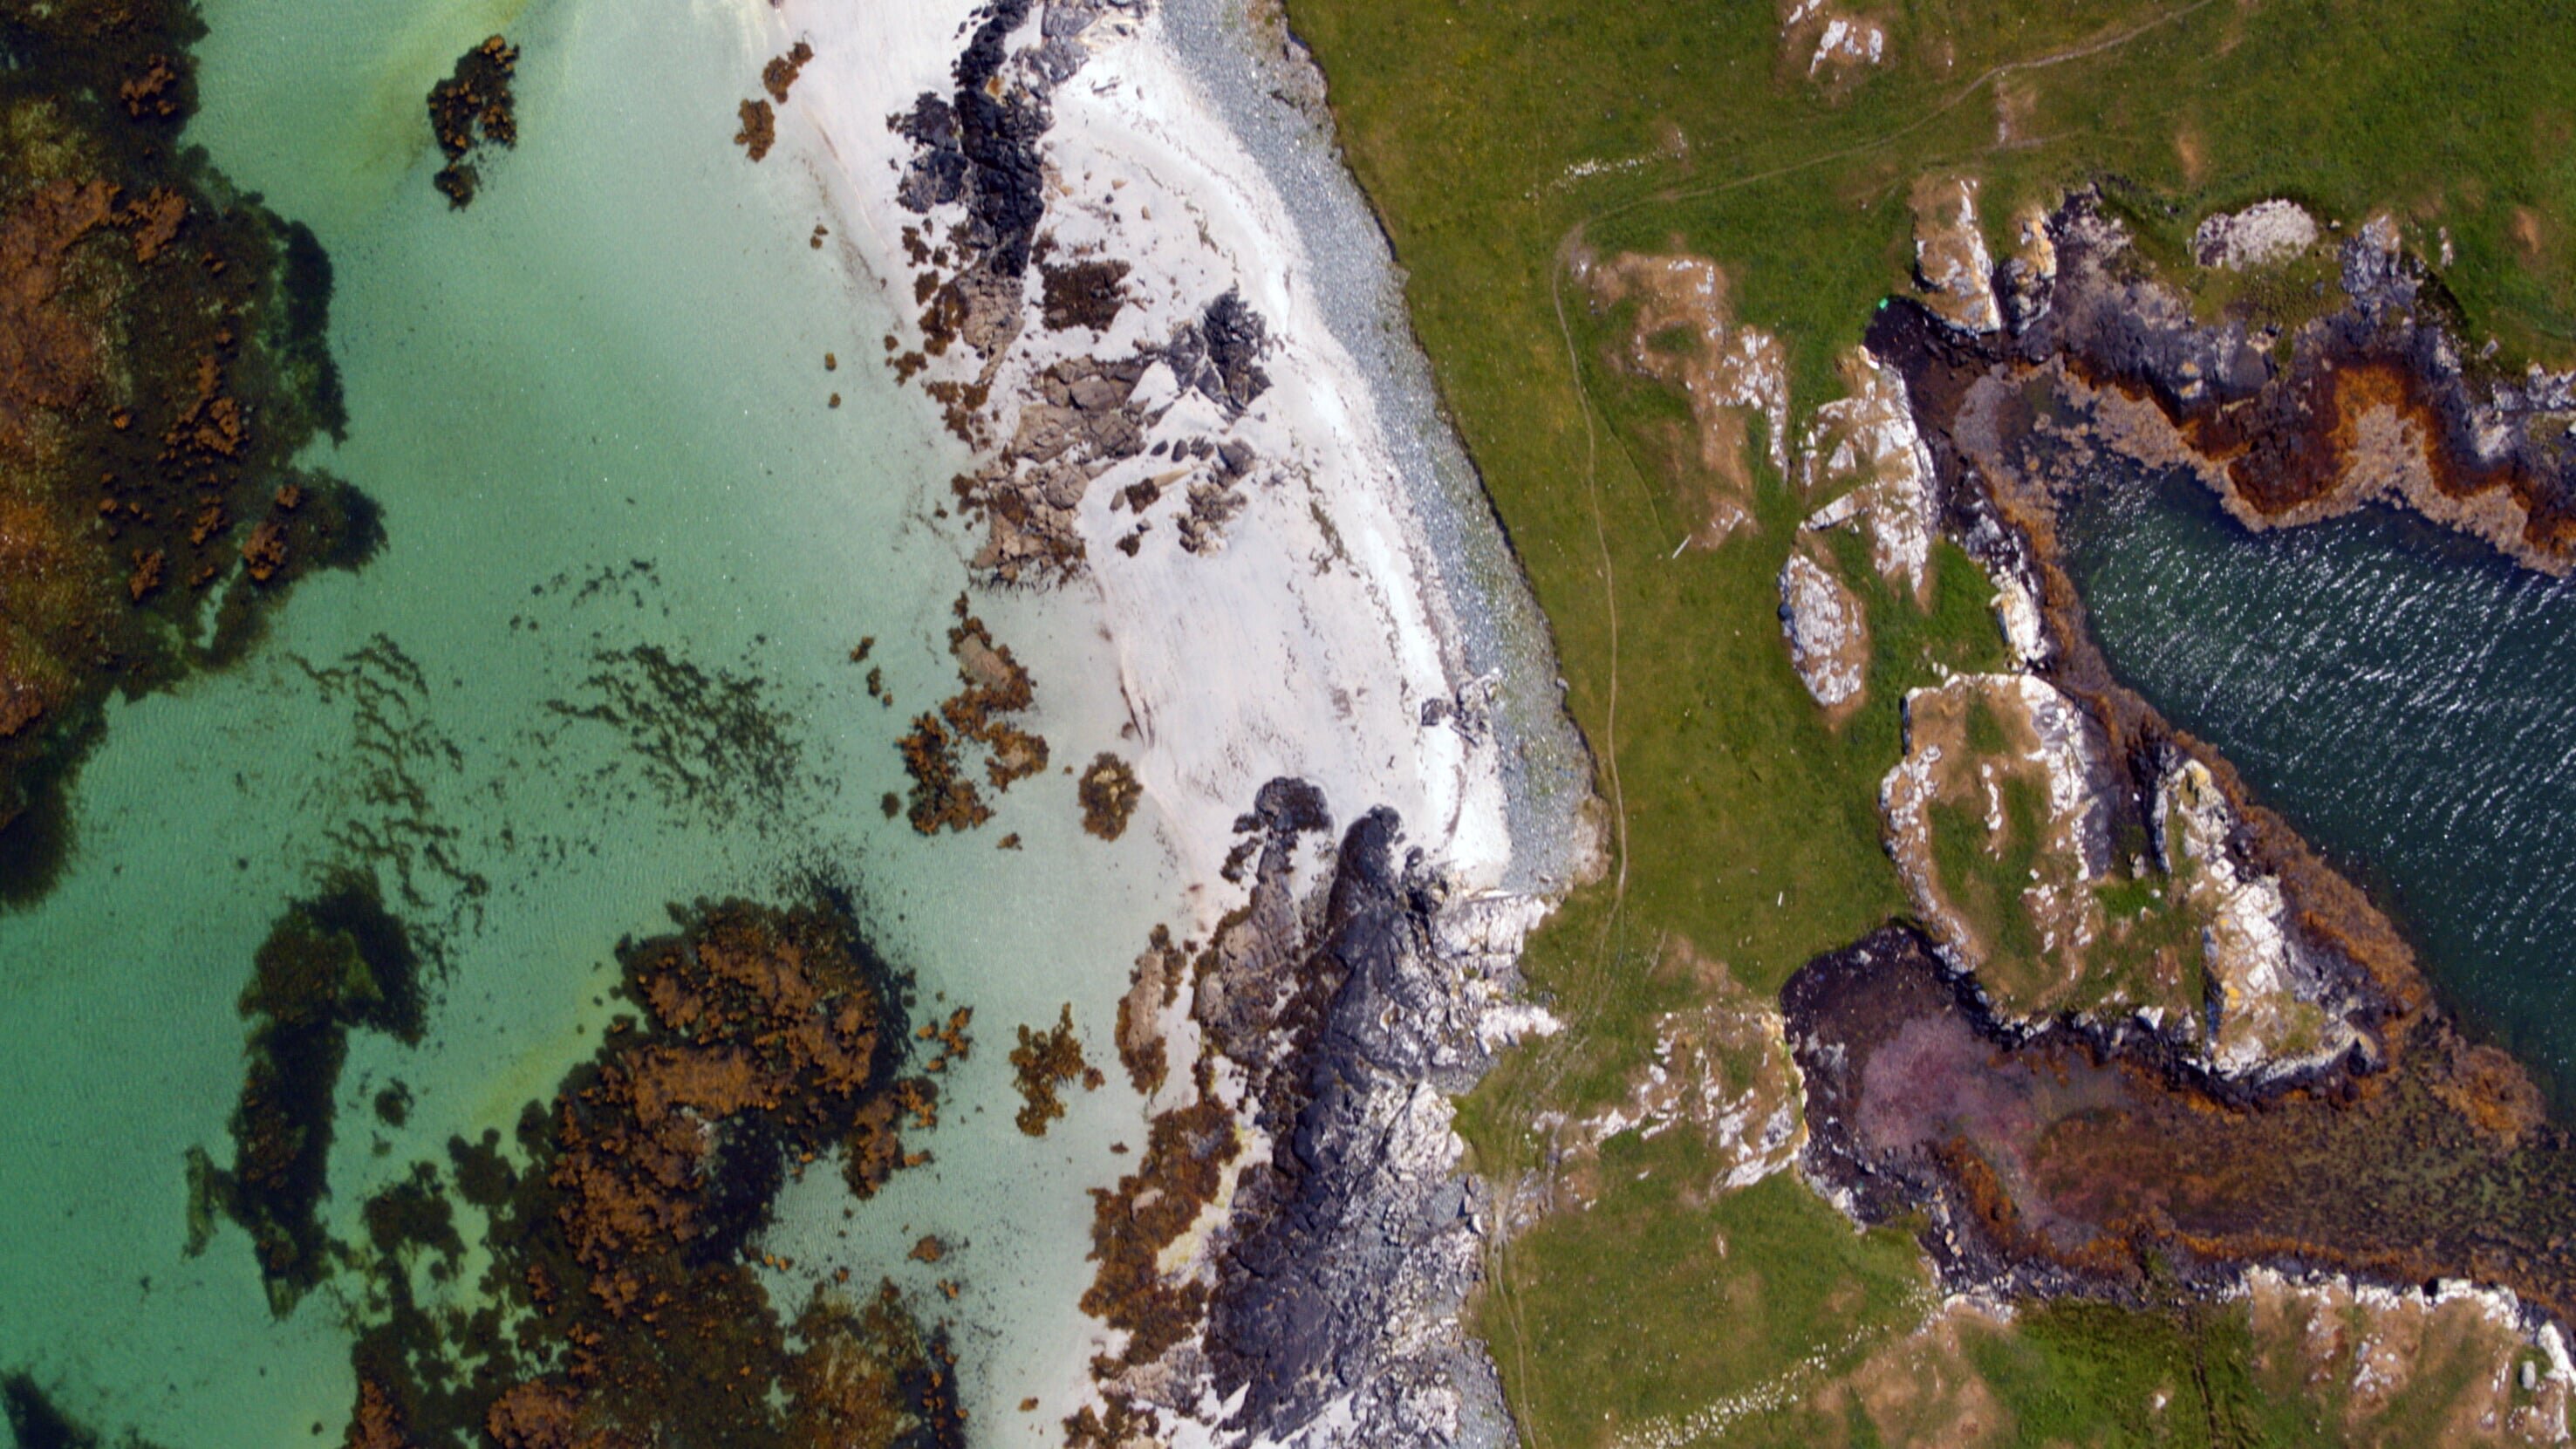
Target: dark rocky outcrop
<point>2287,418</point>
<point>1360,1222</point>
<point>1328,1298</point>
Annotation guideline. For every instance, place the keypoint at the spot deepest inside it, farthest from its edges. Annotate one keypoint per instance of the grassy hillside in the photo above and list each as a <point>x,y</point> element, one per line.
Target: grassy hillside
<point>1500,138</point>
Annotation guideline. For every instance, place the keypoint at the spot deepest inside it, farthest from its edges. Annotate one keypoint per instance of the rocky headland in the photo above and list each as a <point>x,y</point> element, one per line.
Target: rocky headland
<point>1289,1261</point>
<point>2167,1046</point>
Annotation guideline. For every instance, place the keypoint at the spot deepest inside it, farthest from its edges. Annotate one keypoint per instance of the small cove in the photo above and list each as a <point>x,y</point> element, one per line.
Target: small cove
<point>2402,694</point>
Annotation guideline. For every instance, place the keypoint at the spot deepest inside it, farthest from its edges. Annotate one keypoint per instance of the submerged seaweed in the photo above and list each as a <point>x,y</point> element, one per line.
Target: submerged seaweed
<point>39,1423</point>
<point>331,965</point>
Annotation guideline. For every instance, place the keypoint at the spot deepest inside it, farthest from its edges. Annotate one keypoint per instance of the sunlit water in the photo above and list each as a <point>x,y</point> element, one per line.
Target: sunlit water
<point>2405,696</point>
<point>593,407</point>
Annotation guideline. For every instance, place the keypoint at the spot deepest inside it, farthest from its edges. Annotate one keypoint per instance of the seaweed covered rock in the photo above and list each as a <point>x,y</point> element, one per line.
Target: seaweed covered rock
<point>621,1302</point>
<point>162,361</point>
<point>1044,1062</point>
<point>471,108</point>
<point>759,129</point>
<point>1109,794</point>
<point>994,688</point>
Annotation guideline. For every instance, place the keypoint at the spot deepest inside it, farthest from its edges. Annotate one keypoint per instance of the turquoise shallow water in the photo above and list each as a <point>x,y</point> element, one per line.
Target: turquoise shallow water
<point>2404,695</point>
<point>593,407</point>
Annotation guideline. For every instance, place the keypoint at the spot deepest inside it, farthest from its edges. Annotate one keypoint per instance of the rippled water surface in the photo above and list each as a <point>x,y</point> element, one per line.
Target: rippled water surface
<point>2405,696</point>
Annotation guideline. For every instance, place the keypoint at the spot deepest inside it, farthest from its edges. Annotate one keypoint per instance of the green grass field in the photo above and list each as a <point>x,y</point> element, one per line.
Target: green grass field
<point>1495,136</point>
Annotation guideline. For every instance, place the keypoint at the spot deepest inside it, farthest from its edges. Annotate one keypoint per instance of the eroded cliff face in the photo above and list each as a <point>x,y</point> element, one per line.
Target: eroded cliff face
<point>162,360</point>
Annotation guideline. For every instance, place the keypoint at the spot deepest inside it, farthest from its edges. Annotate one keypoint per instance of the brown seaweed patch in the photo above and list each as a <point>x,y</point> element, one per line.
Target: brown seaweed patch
<point>1045,1061</point>
<point>39,1423</point>
<point>707,740</point>
<point>779,76</point>
<point>470,109</point>
<point>162,360</point>
<point>759,129</point>
<point>995,686</point>
<point>1187,1151</point>
<point>1151,990</point>
<point>1082,294</point>
<point>1109,793</point>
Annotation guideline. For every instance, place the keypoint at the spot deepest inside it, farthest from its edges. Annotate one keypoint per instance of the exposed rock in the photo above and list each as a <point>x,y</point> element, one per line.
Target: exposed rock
<point>2377,401</point>
<point>1326,1292</point>
<point>1836,45</point>
<point>2266,232</point>
<point>2387,1351</point>
<point>2010,765</point>
<point>1720,1069</point>
<point>1828,636</point>
<point>1863,448</point>
<point>1221,356</point>
<point>1685,336</point>
<point>1950,260</point>
<point>2279,1007</point>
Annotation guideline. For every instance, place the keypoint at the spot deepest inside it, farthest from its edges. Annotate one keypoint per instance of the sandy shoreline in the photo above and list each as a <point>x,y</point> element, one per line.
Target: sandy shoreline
<point>1308,645</point>
<point>1332,602</point>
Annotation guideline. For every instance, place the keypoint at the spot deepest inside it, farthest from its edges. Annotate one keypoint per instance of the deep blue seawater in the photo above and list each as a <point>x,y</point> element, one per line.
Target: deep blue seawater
<point>2403,694</point>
